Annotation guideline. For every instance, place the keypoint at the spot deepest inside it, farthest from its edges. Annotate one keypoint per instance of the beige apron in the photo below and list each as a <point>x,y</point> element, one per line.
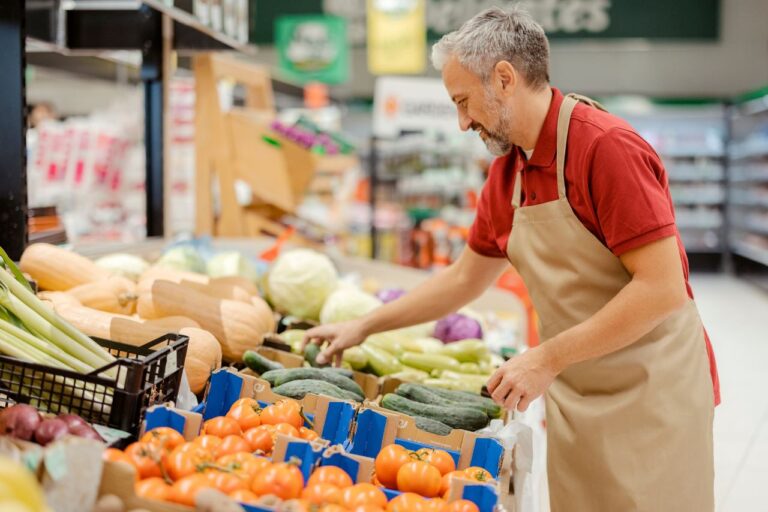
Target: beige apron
<point>630,431</point>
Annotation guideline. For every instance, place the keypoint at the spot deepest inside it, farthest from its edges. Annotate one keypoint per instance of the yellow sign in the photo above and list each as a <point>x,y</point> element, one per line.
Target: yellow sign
<point>397,36</point>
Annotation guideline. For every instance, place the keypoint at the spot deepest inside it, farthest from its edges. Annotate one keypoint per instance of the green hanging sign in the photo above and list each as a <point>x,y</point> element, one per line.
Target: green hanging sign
<point>312,48</point>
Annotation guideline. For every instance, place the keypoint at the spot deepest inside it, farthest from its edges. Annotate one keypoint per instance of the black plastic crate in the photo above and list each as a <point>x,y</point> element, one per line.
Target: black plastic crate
<point>116,395</point>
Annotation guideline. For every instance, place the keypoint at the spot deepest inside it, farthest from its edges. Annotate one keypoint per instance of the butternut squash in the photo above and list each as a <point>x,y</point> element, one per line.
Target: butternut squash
<point>172,323</point>
<point>58,269</point>
<point>113,295</point>
<point>238,281</point>
<point>203,357</point>
<point>213,287</point>
<point>237,325</point>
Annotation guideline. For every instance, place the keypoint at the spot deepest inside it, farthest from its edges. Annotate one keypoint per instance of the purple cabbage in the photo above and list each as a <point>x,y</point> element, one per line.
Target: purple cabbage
<point>457,327</point>
<point>389,294</point>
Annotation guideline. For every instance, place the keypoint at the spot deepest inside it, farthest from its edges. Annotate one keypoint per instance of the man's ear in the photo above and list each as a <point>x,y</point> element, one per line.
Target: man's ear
<point>505,76</point>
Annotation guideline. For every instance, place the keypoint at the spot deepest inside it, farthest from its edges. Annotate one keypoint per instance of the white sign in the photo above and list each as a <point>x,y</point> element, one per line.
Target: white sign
<point>414,104</point>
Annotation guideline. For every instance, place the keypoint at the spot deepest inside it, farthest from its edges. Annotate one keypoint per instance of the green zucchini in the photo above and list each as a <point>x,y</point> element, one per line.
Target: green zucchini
<point>462,397</point>
<point>311,352</point>
<point>298,389</point>
<point>425,395</point>
<point>260,364</point>
<point>323,375</point>
<point>432,426</point>
<point>455,416</point>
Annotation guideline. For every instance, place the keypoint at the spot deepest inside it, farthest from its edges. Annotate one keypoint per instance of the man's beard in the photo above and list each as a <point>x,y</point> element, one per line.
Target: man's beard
<point>496,140</point>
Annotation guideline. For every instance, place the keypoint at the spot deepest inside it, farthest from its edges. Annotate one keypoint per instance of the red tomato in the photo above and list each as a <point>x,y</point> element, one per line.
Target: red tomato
<point>308,434</point>
<point>146,458</point>
<point>287,430</point>
<point>164,437</point>
<point>261,439</point>
<point>222,427</point>
<point>244,496</point>
<point>321,494</point>
<point>332,508</point>
<point>367,508</point>
<point>153,488</point>
<point>185,490</point>
<point>330,475</point>
<point>282,480</point>
<point>462,506</point>
<point>115,455</point>
<point>363,494</point>
<point>246,412</point>
<point>441,459</point>
<point>225,482</point>
<point>406,502</point>
<point>388,462</point>
<point>283,411</point>
<point>445,482</point>
<point>419,477</point>
<point>233,444</point>
<point>244,464</point>
<point>478,474</point>
<point>209,443</point>
<point>434,505</point>
<point>186,460</point>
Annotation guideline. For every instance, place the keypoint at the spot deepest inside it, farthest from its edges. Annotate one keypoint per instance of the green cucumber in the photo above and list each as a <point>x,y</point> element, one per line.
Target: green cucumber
<point>432,426</point>
<point>321,374</point>
<point>461,397</point>
<point>311,352</point>
<point>298,389</point>
<point>455,416</point>
<point>260,364</point>
<point>344,372</point>
<point>272,375</point>
<point>426,395</point>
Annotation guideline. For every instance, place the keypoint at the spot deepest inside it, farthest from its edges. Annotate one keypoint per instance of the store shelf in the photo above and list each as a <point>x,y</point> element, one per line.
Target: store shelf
<point>677,172</point>
<point>751,251</point>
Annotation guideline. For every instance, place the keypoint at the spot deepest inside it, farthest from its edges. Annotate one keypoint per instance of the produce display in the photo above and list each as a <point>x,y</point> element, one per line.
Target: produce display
<point>24,422</point>
<point>19,491</point>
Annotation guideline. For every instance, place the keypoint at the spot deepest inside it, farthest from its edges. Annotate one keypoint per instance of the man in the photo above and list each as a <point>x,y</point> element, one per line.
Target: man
<point>579,203</point>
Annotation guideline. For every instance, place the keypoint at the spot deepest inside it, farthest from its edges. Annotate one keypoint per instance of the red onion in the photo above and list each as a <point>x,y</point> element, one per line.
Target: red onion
<point>73,421</point>
<point>20,421</point>
<point>50,430</point>
<point>86,432</point>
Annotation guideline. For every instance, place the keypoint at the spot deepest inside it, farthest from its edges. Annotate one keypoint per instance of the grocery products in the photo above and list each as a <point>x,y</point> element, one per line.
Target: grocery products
<point>300,281</point>
<point>24,422</point>
<point>57,269</point>
<point>456,416</point>
<point>115,295</point>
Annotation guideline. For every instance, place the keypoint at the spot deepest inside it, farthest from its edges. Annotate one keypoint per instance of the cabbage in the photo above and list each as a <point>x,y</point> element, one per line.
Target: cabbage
<point>389,294</point>
<point>300,281</point>
<point>125,265</point>
<point>184,258</point>
<point>232,263</point>
<point>456,327</point>
<point>347,304</point>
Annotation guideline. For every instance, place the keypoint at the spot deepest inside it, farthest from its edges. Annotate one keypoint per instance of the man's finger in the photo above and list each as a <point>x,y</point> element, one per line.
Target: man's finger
<point>524,402</point>
<point>326,355</point>
<point>513,399</point>
<point>337,359</point>
<point>316,335</point>
<point>502,390</point>
<point>494,380</point>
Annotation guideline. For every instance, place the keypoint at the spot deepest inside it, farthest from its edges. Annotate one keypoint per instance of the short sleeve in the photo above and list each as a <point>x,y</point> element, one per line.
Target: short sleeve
<point>482,237</point>
<point>630,192</point>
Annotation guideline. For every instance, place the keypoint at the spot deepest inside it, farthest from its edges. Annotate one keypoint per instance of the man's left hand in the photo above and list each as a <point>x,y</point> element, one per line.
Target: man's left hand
<point>522,379</point>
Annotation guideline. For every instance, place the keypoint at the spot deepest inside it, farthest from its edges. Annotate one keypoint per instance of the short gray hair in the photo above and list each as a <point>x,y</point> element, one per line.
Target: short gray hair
<point>495,35</point>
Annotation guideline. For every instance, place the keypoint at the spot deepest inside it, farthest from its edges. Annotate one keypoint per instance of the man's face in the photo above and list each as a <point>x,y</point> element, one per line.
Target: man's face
<point>479,107</point>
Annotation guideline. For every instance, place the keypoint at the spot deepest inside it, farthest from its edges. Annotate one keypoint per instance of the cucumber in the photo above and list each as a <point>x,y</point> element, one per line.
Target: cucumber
<point>425,395</point>
<point>341,371</point>
<point>260,364</point>
<point>298,389</point>
<point>454,416</point>
<point>272,375</point>
<point>461,397</point>
<point>432,426</point>
<point>311,352</point>
<point>331,377</point>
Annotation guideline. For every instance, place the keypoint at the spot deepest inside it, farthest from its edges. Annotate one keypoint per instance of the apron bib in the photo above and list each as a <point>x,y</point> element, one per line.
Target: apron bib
<point>630,431</point>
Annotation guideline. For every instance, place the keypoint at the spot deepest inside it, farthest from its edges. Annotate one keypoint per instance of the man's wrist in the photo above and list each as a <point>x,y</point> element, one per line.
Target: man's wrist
<point>554,357</point>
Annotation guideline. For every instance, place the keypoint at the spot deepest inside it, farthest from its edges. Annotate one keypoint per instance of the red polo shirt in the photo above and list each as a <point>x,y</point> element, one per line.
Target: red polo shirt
<point>615,182</point>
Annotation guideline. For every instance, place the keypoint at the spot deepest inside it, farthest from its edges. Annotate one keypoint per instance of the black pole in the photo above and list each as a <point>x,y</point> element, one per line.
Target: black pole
<point>152,73</point>
<point>373,163</point>
<point>13,129</point>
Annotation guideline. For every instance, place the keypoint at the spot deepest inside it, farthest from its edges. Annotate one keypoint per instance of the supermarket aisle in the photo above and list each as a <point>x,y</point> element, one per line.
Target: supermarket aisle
<point>736,316</point>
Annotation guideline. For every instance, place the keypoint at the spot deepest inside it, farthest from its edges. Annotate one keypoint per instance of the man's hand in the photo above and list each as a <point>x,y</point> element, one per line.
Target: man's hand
<point>340,336</point>
<point>522,379</point>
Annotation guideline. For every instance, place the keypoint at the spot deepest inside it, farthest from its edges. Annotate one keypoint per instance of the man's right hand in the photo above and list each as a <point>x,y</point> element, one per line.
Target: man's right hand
<point>340,337</point>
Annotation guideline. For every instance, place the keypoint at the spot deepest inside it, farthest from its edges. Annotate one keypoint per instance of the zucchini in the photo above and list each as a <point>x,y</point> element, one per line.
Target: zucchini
<point>491,408</point>
<point>345,372</point>
<point>425,395</point>
<point>454,416</point>
<point>298,389</point>
<point>429,362</point>
<point>432,426</point>
<point>260,364</point>
<point>319,374</point>
<point>311,352</point>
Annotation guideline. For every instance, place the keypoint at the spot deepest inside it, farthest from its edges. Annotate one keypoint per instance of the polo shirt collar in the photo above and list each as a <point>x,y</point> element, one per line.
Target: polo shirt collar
<point>546,144</point>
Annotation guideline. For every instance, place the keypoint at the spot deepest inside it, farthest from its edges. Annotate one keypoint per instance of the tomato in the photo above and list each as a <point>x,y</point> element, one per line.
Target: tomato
<point>187,459</point>
<point>333,508</point>
<point>330,475</point>
<point>321,494</point>
<point>153,488</point>
<point>209,443</point>
<point>462,506</point>
<point>146,458</point>
<point>441,459</point>
<point>388,463</point>
<point>225,482</point>
<point>233,444</point>
<point>261,439</point>
<point>283,411</point>
<point>282,480</point>
<point>286,429</point>
<point>297,506</point>
<point>246,412</point>
<point>222,427</point>
<point>445,482</point>
<point>367,508</point>
<point>406,502</point>
<point>115,455</point>
<point>363,494</point>
<point>419,477</point>
<point>164,437</point>
<point>185,490</point>
<point>478,474</point>
<point>308,434</point>
<point>434,505</point>
<point>244,464</point>
<point>244,496</point>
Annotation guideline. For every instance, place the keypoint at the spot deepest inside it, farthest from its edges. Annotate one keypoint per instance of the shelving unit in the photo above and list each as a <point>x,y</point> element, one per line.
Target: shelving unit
<point>748,186</point>
<point>85,29</point>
